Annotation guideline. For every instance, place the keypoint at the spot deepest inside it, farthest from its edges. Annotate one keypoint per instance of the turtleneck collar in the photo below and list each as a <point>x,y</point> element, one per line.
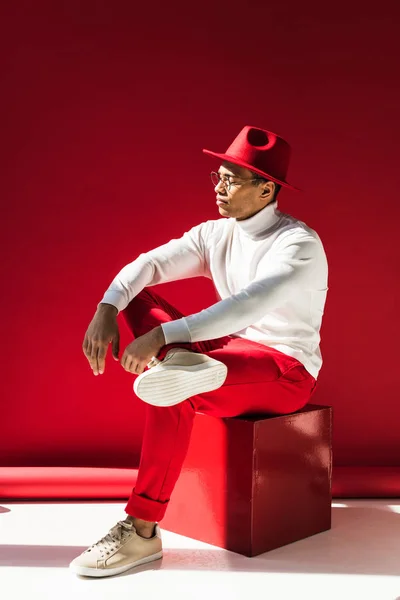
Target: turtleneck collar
<point>259,224</point>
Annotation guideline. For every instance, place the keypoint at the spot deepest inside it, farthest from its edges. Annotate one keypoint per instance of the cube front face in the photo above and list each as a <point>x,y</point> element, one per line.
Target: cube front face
<point>253,484</point>
<point>292,478</point>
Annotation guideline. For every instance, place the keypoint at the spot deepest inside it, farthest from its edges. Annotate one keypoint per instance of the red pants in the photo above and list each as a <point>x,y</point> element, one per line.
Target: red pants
<point>260,380</point>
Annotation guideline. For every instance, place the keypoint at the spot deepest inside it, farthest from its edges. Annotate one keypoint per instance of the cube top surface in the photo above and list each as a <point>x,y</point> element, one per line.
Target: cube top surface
<point>261,417</point>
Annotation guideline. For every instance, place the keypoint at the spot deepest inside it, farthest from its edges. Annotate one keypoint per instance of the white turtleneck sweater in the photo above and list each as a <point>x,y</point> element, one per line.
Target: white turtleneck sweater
<point>270,275</point>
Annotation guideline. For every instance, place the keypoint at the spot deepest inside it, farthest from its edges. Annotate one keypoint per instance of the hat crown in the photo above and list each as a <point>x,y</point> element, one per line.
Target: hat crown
<point>263,150</point>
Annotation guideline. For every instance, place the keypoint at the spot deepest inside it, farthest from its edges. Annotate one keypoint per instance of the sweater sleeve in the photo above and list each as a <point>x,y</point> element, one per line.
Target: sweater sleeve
<point>285,271</point>
<point>178,259</point>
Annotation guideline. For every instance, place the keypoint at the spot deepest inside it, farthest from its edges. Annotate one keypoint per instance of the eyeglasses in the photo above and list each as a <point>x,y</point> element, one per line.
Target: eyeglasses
<point>226,180</point>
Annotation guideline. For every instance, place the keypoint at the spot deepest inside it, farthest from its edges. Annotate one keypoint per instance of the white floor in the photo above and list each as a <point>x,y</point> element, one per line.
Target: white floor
<point>358,558</point>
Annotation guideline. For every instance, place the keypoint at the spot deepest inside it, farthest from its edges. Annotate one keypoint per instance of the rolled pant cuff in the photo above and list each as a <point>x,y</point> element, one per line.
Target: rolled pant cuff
<point>145,508</point>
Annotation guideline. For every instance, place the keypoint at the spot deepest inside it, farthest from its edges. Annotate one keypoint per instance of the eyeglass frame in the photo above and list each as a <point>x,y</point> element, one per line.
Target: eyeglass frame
<point>230,183</point>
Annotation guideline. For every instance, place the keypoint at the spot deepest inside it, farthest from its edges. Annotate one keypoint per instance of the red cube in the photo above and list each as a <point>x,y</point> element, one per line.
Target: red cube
<point>251,484</point>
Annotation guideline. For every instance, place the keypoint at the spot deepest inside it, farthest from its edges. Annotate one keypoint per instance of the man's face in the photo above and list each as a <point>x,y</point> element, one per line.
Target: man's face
<point>243,199</point>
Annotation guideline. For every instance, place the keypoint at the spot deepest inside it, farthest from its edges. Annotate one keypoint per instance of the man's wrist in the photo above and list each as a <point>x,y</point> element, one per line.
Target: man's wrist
<point>159,333</point>
<point>103,307</point>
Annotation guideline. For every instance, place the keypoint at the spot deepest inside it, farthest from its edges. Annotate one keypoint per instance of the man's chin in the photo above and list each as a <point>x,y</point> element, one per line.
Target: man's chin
<point>224,212</point>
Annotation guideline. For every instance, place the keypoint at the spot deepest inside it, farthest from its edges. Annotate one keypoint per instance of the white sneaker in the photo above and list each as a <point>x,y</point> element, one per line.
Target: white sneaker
<point>179,376</point>
<point>120,550</point>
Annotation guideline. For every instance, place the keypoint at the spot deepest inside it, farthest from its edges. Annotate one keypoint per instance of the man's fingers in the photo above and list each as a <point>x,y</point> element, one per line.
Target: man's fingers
<point>101,356</point>
<point>129,364</point>
<point>85,345</point>
<point>88,351</point>
<point>96,353</point>
<point>132,363</point>
<point>136,368</point>
<point>93,358</point>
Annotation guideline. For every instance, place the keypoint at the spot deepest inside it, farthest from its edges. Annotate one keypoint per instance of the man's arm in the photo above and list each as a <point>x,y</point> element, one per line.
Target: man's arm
<point>178,259</point>
<point>288,270</point>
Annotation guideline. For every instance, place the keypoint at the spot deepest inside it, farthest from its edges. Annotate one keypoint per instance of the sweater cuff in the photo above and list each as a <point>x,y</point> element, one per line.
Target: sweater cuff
<point>116,299</point>
<point>176,331</point>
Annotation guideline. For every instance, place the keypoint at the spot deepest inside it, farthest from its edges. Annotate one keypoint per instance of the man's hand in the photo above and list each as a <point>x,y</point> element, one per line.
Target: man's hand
<point>102,330</point>
<point>140,352</point>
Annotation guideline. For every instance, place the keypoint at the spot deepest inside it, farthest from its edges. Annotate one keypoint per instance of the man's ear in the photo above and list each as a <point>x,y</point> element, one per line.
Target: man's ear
<point>266,191</point>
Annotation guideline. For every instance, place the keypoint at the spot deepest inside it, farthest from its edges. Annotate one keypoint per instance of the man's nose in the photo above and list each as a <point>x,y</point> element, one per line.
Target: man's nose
<point>219,186</point>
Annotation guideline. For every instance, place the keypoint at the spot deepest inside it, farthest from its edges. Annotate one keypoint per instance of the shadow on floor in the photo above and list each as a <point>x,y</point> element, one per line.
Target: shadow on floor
<point>363,540</point>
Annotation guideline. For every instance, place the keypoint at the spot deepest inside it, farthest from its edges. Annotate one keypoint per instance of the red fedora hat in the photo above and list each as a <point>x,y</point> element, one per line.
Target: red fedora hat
<point>261,151</point>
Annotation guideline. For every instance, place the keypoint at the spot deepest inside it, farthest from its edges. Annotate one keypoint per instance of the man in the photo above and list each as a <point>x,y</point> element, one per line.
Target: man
<point>256,350</point>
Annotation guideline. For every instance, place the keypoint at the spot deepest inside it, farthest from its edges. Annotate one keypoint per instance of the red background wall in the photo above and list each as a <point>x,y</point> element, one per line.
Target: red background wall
<point>105,109</point>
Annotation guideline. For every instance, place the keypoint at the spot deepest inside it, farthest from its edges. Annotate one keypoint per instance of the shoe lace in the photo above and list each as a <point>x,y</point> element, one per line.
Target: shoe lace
<point>114,538</point>
<point>153,363</point>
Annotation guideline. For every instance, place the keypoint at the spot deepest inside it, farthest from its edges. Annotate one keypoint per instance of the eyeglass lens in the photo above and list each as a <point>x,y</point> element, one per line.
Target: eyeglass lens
<point>216,178</point>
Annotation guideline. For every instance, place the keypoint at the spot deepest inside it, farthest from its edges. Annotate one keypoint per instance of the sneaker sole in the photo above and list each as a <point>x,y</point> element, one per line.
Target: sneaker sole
<point>171,384</point>
<point>90,572</point>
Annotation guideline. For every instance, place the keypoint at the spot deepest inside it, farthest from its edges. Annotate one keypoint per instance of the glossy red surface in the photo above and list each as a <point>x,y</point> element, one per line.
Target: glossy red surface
<point>70,483</point>
<point>96,483</point>
<point>252,484</point>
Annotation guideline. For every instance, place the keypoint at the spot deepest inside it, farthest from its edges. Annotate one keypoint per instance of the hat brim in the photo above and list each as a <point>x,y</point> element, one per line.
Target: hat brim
<point>241,163</point>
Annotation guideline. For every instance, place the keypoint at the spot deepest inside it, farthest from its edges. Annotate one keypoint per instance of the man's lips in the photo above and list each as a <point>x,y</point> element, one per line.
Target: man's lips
<point>221,200</point>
